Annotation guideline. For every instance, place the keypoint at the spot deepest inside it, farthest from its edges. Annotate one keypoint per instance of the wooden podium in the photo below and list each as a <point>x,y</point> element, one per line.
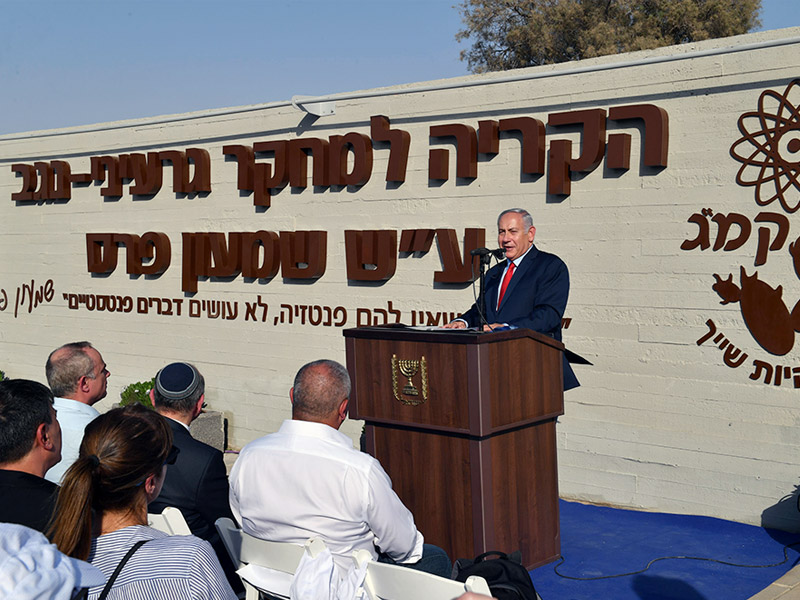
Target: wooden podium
<point>465,425</point>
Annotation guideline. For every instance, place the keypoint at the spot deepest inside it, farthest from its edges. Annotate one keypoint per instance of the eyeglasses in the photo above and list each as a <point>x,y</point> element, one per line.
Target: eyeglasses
<point>104,371</point>
<point>204,406</point>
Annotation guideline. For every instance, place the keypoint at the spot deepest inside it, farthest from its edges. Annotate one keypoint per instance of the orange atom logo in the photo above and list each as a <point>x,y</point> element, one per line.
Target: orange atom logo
<point>770,148</point>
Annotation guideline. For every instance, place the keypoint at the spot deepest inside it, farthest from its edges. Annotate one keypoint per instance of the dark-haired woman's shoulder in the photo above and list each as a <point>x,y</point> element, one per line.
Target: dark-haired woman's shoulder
<point>181,566</point>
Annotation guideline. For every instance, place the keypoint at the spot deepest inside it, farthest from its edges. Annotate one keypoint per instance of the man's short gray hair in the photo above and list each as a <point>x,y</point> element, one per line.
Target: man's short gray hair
<point>527,219</point>
<point>71,363</point>
<point>319,388</point>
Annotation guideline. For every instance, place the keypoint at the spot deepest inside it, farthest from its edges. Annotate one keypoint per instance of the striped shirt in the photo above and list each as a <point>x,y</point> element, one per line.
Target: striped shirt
<point>168,567</point>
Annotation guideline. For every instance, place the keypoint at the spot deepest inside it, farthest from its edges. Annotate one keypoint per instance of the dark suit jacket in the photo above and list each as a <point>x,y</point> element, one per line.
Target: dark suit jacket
<point>26,499</point>
<point>197,484</point>
<point>535,299</point>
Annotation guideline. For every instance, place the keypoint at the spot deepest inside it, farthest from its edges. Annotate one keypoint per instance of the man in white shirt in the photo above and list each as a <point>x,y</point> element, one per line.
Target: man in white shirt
<point>307,480</point>
<point>77,376</point>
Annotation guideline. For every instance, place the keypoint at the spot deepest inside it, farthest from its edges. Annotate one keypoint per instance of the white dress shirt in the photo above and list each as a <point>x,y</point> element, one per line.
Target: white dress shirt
<point>307,480</point>
<point>73,416</point>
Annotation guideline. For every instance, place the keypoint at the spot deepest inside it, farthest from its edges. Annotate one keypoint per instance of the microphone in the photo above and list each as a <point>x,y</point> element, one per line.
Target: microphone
<point>499,253</point>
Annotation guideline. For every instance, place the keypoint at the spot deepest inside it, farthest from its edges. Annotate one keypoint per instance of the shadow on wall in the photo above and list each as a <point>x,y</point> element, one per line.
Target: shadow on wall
<point>649,587</point>
<point>785,514</point>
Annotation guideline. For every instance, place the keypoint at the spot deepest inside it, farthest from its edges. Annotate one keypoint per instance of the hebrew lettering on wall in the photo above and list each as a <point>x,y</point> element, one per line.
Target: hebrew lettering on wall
<point>27,297</point>
<point>371,255</point>
<point>769,155</point>
<point>346,161</point>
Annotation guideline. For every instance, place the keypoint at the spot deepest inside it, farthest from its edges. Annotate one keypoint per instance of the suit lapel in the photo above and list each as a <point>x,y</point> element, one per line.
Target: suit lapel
<point>518,276</point>
<point>492,289</point>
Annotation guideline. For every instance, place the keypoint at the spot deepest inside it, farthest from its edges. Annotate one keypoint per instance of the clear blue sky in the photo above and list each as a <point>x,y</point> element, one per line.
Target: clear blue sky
<point>77,62</point>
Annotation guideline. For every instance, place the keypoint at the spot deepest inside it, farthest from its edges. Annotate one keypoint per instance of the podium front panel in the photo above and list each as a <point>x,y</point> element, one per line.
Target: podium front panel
<point>464,424</point>
<point>431,474</point>
<point>471,383</point>
<point>470,496</point>
<point>443,397</point>
<point>524,493</point>
<point>526,382</point>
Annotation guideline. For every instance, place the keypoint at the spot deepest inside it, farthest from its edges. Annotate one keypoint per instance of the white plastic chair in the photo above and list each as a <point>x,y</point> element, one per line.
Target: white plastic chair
<point>264,567</point>
<point>170,521</point>
<point>395,582</point>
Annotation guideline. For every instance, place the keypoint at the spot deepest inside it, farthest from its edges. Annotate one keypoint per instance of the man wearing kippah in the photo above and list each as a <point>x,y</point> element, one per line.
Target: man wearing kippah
<point>197,483</point>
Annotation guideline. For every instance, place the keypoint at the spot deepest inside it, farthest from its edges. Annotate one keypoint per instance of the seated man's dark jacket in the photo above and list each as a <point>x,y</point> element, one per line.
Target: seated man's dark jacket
<point>26,499</point>
<point>197,484</point>
<point>536,298</point>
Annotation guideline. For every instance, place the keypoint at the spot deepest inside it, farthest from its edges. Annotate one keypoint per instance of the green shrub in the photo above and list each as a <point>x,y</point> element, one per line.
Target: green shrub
<point>2,375</point>
<point>137,393</point>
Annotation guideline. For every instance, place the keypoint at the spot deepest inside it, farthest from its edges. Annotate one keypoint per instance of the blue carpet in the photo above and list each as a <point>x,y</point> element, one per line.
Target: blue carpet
<point>598,541</point>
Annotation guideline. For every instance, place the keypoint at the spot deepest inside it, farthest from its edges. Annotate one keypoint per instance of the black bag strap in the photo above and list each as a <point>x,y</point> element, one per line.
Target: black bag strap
<point>515,556</point>
<point>485,555</point>
<point>117,571</point>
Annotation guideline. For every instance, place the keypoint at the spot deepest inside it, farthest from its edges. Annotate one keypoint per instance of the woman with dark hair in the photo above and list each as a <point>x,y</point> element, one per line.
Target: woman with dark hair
<point>101,513</point>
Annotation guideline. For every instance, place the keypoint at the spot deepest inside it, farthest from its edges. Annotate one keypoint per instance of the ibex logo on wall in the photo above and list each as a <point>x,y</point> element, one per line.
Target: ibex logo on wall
<point>769,153</point>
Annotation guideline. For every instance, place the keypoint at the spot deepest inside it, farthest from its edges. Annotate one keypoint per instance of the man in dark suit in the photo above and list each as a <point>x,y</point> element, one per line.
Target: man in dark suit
<point>30,443</point>
<point>529,289</point>
<point>197,483</point>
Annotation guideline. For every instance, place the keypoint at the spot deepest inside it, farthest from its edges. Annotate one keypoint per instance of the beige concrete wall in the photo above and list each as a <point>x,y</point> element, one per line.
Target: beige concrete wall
<point>659,423</point>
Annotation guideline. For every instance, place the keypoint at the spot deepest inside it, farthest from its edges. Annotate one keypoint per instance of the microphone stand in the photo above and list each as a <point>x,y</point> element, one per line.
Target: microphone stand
<point>484,262</point>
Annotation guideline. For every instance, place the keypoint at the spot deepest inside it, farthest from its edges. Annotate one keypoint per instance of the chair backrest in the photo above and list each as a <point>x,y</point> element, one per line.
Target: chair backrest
<point>281,556</point>
<point>268,558</point>
<point>395,582</point>
<point>170,521</point>
<point>231,538</point>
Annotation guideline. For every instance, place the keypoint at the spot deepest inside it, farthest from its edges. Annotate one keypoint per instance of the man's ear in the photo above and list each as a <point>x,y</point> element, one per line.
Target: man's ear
<point>531,233</point>
<point>198,407</point>
<point>152,396</point>
<point>343,409</point>
<point>83,384</point>
<point>43,437</point>
<point>291,395</point>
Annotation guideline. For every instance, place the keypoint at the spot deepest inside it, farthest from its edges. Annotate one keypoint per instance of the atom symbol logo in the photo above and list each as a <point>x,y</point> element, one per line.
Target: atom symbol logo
<point>770,148</point>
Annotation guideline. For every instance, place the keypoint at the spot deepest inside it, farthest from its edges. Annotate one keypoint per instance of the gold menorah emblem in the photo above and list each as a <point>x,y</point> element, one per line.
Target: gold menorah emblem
<point>409,368</point>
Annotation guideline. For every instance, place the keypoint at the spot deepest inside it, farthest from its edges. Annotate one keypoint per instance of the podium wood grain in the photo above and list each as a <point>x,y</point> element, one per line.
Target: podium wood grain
<point>476,462</point>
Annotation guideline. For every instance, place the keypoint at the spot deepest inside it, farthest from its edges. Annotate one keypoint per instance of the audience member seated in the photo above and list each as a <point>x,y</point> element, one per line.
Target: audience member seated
<point>77,377</point>
<point>120,468</point>
<point>307,480</point>
<point>30,443</point>
<point>197,483</point>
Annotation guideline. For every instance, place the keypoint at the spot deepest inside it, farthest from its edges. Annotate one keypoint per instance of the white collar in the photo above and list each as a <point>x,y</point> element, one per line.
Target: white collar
<point>185,426</point>
<point>518,260</point>
<point>74,405</point>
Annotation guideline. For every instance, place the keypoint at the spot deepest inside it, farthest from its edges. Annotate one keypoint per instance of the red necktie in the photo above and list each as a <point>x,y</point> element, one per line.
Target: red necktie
<point>506,279</point>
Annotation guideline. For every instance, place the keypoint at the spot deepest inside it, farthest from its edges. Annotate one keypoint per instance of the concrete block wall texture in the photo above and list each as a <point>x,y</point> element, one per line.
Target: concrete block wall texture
<point>660,422</point>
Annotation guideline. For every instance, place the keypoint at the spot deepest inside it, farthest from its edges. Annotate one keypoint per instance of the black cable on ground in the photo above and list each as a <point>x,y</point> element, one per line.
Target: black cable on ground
<point>655,560</point>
